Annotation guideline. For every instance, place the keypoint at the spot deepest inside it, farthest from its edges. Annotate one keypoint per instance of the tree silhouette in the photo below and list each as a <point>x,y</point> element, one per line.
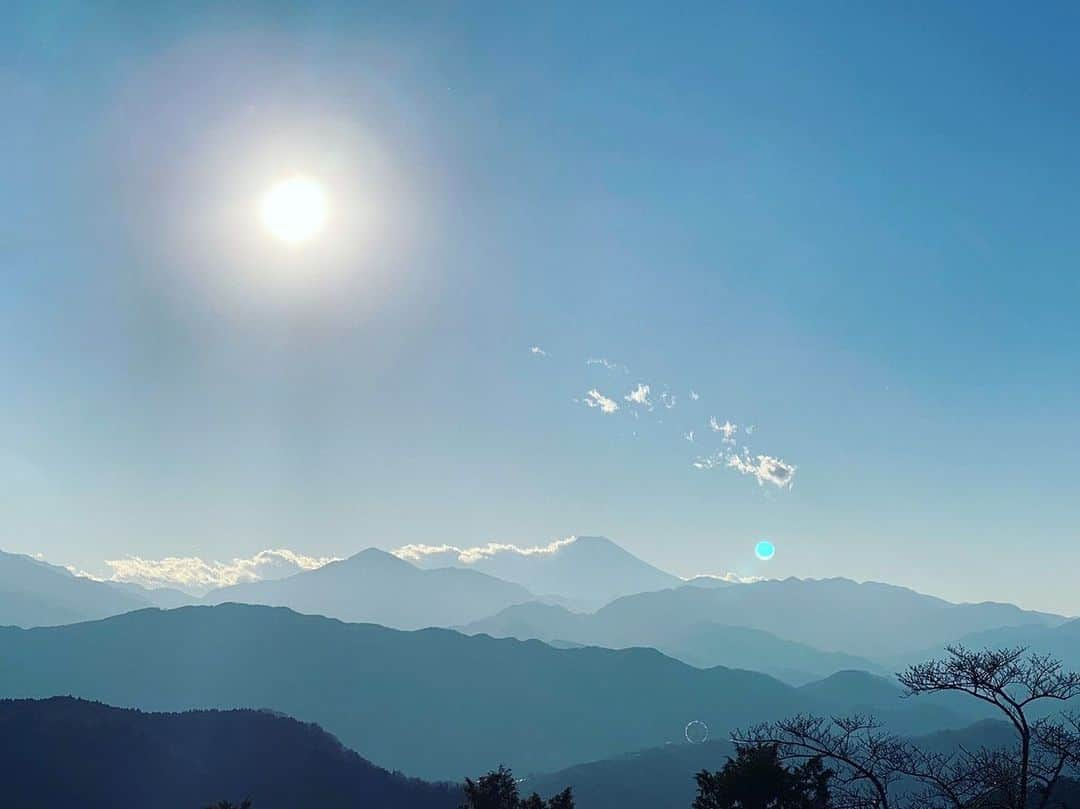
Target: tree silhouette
<point>498,790</point>
<point>868,758</point>
<point>757,779</point>
<point>230,805</point>
<point>1012,681</point>
<point>871,761</point>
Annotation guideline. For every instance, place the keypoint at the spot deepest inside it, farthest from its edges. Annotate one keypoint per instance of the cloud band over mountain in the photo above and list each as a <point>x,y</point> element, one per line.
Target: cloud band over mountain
<point>197,575</point>
<point>452,554</point>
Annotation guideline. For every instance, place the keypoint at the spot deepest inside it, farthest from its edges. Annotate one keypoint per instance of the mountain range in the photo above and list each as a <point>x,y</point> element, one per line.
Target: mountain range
<point>378,587</point>
<point>795,630</point>
<point>433,703</point>
<point>702,644</point>
<point>867,620</point>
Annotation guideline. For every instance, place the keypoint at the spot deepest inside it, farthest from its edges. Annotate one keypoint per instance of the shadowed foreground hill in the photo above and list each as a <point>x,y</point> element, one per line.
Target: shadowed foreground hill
<point>433,703</point>
<point>664,776</point>
<point>67,752</point>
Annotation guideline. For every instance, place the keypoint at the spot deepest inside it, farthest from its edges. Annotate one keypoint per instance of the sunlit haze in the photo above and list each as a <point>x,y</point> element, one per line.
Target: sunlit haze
<point>294,209</point>
<point>553,405</point>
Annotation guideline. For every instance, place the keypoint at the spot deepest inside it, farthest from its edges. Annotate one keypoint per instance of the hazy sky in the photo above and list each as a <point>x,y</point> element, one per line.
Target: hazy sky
<point>855,230</point>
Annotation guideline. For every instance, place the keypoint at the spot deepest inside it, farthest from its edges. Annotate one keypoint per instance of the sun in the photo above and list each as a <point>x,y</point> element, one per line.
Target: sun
<point>294,209</point>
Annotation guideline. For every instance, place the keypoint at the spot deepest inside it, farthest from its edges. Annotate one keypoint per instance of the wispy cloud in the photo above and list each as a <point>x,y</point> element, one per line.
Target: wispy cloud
<point>608,364</point>
<point>708,461</point>
<point>82,574</point>
<point>639,396</point>
<point>196,575</point>
<point>765,468</point>
<point>539,352</point>
<point>694,396</point>
<point>734,578</point>
<point>727,429</point>
<point>468,556</point>
<point>667,400</point>
<point>595,398</point>
<point>689,436</point>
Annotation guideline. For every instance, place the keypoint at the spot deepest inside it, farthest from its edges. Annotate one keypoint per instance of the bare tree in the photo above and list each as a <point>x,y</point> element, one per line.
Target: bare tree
<point>1011,680</point>
<point>871,759</point>
<point>871,762</point>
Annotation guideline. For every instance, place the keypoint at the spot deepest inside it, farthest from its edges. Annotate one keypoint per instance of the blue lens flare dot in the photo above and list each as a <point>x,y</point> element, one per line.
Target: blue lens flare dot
<point>764,550</point>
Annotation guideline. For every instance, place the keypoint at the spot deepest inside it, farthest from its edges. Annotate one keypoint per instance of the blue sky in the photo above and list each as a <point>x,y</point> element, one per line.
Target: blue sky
<point>853,228</point>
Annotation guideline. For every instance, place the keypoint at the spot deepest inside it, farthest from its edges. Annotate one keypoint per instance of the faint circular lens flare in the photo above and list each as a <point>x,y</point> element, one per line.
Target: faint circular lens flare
<point>764,550</point>
<point>294,210</point>
<point>696,732</point>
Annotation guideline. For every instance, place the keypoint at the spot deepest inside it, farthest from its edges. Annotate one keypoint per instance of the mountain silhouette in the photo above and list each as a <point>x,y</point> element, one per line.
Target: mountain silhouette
<point>882,697</point>
<point>35,593</point>
<point>433,703</point>
<point>703,644</point>
<point>586,571</point>
<point>70,752</point>
<point>1061,642</point>
<point>379,587</point>
<point>868,620</point>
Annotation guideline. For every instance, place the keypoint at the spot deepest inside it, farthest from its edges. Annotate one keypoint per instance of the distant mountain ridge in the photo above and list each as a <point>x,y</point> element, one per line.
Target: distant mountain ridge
<point>36,593</point>
<point>585,570</point>
<point>833,616</point>
<point>1061,641</point>
<point>112,757</point>
<point>377,587</point>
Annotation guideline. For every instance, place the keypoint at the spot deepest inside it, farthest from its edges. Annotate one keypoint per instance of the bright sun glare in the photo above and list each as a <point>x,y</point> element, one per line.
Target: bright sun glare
<point>294,209</point>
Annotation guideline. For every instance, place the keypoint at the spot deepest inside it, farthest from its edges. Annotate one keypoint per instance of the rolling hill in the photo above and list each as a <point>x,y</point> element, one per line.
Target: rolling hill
<point>112,757</point>
<point>433,703</point>
<point>703,644</point>
<point>664,776</point>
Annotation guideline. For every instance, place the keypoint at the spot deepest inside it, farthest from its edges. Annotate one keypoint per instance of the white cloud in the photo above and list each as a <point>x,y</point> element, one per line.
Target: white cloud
<point>198,576</point>
<point>608,364</point>
<point>727,429</point>
<point>763,467</point>
<point>639,396</point>
<point>595,398</point>
<point>694,396</point>
<point>708,461</point>
<point>468,556</point>
<point>734,578</point>
<point>81,574</point>
<point>749,429</point>
<point>667,400</point>
<point>689,436</point>
<point>538,351</point>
